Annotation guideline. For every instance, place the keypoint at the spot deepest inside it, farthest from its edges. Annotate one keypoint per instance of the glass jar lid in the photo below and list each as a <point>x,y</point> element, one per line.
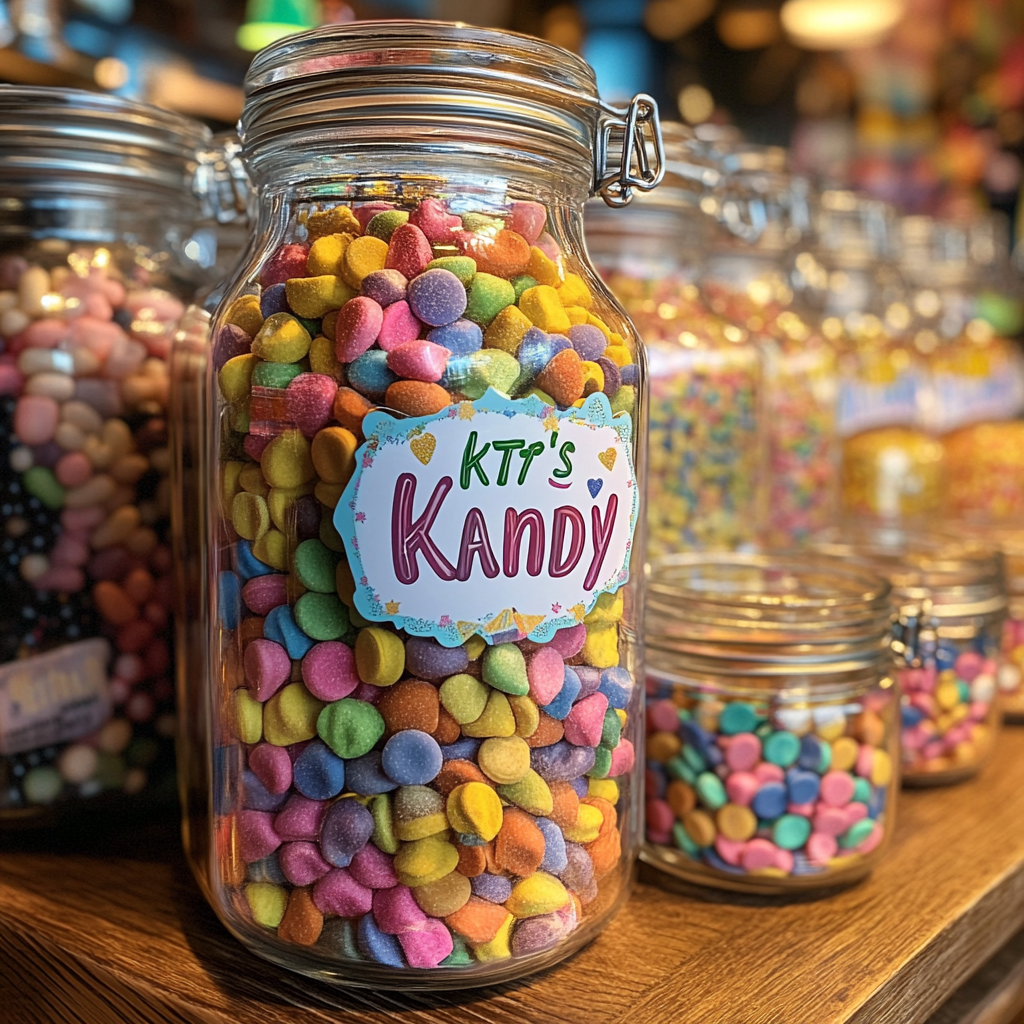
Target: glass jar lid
<point>66,139</point>
<point>1009,539</point>
<point>955,576</point>
<point>765,615</point>
<point>446,86</point>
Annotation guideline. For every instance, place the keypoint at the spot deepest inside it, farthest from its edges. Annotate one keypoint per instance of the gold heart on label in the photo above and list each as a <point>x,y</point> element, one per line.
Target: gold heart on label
<point>423,447</point>
<point>607,458</point>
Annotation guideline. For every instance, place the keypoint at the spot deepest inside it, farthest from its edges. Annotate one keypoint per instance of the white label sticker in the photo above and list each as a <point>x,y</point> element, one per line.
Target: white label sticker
<point>498,517</point>
<point>54,697</point>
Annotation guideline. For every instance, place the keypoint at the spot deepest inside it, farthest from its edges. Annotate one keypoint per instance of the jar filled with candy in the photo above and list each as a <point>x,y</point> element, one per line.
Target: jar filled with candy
<point>949,597</point>
<point>706,426</point>
<point>420,498</point>
<point>772,721</point>
<point>762,213</point>
<point>96,265</point>
<point>891,465</point>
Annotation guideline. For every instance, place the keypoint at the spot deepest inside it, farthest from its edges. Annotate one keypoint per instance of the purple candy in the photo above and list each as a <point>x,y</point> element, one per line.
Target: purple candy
<point>300,818</point>
<point>461,750</point>
<point>395,910</point>
<point>590,680</point>
<point>231,341</point>
<point>569,641</point>
<point>373,868</point>
<point>347,828</point>
<point>274,300</point>
<point>580,787</point>
<point>364,775</point>
<point>302,863</point>
<point>428,944</point>
<point>412,758</point>
<point>628,374</point>
<point>612,376</point>
<point>579,870</point>
<point>437,297</point>
<point>385,287</point>
<point>561,761</point>
<point>537,933</point>
<point>555,859</point>
<point>256,796</point>
<point>339,893</point>
<point>427,659</point>
<point>461,338</point>
<point>496,888</point>
<point>588,341</point>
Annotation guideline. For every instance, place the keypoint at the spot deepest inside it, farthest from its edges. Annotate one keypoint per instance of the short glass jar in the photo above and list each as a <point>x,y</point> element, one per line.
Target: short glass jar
<point>949,596</point>
<point>410,737</point>
<point>97,263</point>
<point>772,721</point>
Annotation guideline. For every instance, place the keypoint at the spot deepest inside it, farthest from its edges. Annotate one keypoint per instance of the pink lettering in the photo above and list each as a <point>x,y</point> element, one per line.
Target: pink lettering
<point>561,564</point>
<point>408,538</point>
<point>516,524</point>
<point>476,542</point>
<point>602,538</point>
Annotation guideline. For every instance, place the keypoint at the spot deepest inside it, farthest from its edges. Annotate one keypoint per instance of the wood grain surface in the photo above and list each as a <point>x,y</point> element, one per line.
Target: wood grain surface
<point>112,930</point>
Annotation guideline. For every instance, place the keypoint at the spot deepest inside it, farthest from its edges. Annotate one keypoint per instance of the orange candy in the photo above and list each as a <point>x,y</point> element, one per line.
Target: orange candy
<point>417,398</point>
<point>566,804</point>
<point>302,922</point>
<point>114,604</point>
<point>605,852</point>
<point>478,921</point>
<point>549,731</point>
<point>562,378</point>
<point>472,860</point>
<point>456,773</point>
<point>349,409</point>
<point>519,847</point>
<point>505,254</point>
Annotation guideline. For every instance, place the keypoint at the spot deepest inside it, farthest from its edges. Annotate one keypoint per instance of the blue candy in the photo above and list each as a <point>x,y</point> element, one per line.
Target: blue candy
<point>588,341</point>
<point>713,860</point>
<point>810,753</point>
<point>370,374</point>
<point>318,772</point>
<point>562,704</point>
<point>266,870</point>
<point>365,776</point>
<point>468,839</point>
<point>229,599</point>
<point>770,801</point>
<point>536,350</point>
<point>255,795</point>
<point>802,786</point>
<point>274,300</point>
<point>555,858</point>
<point>460,338</point>
<point>617,686</point>
<point>877,802</point>
<point>378,945</point>
<point>628,374</point>
<point>496,888</point>
<point>562,762</point>
<point>347,828</point>
<point>412,758</point>
<point>461,750</point>
<point>280,626</point>
<point>910,716</point>
<point>580,786</point>
<point>247,564</point>
<point>437,297</point>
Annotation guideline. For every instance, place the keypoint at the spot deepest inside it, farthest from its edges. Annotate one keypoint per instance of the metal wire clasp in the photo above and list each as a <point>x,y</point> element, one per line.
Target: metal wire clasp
<point>640,147</point>
<point>221,181</point>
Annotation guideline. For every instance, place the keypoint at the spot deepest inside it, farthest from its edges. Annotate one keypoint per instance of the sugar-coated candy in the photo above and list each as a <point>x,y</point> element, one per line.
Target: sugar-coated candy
<point>437,297</point>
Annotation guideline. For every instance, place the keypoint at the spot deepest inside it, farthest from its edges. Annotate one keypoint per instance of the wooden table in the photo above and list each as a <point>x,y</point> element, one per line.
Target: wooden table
<point>106,931</point>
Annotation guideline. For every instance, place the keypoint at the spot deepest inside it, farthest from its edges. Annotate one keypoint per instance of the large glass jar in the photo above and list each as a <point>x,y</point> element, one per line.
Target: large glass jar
<point>949,598</point>
<point>706,428</point>
<point>772,721</point>
<point>411,764</point>
<point>96,265</point>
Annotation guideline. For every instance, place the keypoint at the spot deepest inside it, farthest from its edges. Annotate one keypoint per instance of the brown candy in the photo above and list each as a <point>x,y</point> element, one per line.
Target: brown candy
<point>412,704</point>
<point>519,847</point>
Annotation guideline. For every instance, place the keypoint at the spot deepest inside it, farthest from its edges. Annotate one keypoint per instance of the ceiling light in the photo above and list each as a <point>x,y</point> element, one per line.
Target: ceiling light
<point>840,24</point>
<point>269,20</point>
<point>748,28</point>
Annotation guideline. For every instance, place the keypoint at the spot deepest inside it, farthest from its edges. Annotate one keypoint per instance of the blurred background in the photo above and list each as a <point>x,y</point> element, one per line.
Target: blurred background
<point>919,102</point>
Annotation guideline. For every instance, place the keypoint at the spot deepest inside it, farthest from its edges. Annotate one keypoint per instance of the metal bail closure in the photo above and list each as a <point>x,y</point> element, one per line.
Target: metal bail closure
<point>221,182</point>
<point>640,146</point>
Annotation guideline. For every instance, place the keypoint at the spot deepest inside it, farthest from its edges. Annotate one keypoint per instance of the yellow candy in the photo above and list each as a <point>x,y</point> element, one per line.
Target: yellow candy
<point>325,254</point>
<point>240,417</point>
<point>700,828</point>
<point>272,549</point>
<point>282,339</point>
<point>337,220</point>
<point>475,647</point>
<point>605,789</point>
<point>229,486</point>
<point>832,729</point>
<point>736,822</point>
<point>333,452</point>
<point>329,494</point>
<point>251,480</point>
<point>596,321</point>
<point>601,648</point>
<point>844,753</point>
<point>576,314</point>
<point>708,712</point>
<point>281,500</point>
<point>881,768</point>
<point>574,292</point>
<point>587,826</point>
<point>313,297</point>
<point>475,809</point>
<point>322,358</point>
<point>506,330</point>
<point>286,461</point>
<point>618,354</point>
<point>541,893</point>
<point>290,715</point>
<point>621,715</point>
<point>267,902</point>
<point>464,697</point>
<point>543,270</point>
<point>526,714</point>
<point>236,377</point>
<point>947,695</point>
<point>247,717</point>
<point>498,948</point>
<point>542,395</point>
<point>542,306</point>
<point>380,656</point>
<point>608,608</point>
<point>497,719</point>
<point>425,860</point>
<point>249,515</point>
<point>245,312</point>
<point>662,746</point>
<point>593,379</point>
<point>531,793</point>
<point>504,759</point>
<point>364,256</point>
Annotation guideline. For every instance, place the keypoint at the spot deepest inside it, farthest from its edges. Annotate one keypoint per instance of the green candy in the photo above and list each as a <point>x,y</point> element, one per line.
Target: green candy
<point>611,731</point>
<point>267,902</point>
<point>624,400</point>
<point>856,833</point>
<point>693,758</point>
<point>315,565</point>
<point>489,368</point>
<point>275,375</point>
<point>383,836</point>
<point>481,222</point>
<point>964,691</point>
<point>383,225</point>
<point>677,768</point>
<point>791,831</point>
<point>321,616</point>
<point>683,841</point>
<point>339,936</point>
<point>464,697</point>
<point>861,791</point>
<point>459,956</point>
<point>463,267</point>
<point>350,727</point>
<point>42,785</point>
<point>602,763</point>
<point>782,748</point>
<point>42,484</point>
<point>825,761</point>
<point>711,791</point>
<point>738,717</point>
<point>522,282</point>
<point>312,326</point>
<point>487,296</point>
<point>504,668</point>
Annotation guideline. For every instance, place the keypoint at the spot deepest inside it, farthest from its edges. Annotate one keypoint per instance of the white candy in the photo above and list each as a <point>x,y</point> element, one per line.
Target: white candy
<point>58,386</point>
<point>1009,677</point>
<point>32,286</point>
<point>983,688</point>
<point>44,360</point>
<point>32,567</point>
<point>795,720</point>
<point>21,459</point>
<point>82,415</point>
<point>78,763</point>
<point>12,322</point>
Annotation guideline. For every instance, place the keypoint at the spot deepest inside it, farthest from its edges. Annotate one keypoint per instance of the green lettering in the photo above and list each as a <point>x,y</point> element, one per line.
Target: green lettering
<point>471,462</point>
<point>506,448</point>
<point>528,455</point>
<point>563,453</point>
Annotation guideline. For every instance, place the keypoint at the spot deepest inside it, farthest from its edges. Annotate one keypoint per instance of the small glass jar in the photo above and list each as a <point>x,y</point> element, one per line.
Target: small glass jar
<point>950,603</point>
<point>772,728</point>
<point>411,737</point>
<point>97,263</point>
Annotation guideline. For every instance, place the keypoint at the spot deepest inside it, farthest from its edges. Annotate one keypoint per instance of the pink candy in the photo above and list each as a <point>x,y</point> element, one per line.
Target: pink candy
<point>272,766</point>
<point>35,419</point>
<point>302,863</point>
<point>373,868</point>
<point>428,944</point>
<point>257,837</point>
<point>528,219</point>
<point>262,594</point>
<point>569,642</point>
<point>398,326</point>
<point>339,893</point>
<point>743,752</point>
<point>365,213</point>
<point>836,789</point>
<point>396,911</point>
<point>329,671</point>
<point>267,667</point>
<point>584,723</point>
<point>289,261</point>
<point>309,399</point>
<point>409,251</point>
<point>662,716</point>
<point>546,674</point>
<point>358,324</point>
<point>742,787</point>
<point>300,818</point>
<point>623,757</point>
<point>758,854</point>
<point>660,817</point>
<point>419,360</point>
<point>821,848</point>
<point>436,223</point>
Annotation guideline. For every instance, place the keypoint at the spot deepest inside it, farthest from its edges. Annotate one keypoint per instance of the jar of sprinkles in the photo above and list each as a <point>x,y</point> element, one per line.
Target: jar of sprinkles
<point>418,494</point>
<point>97,207</point>
<point>772,721</point>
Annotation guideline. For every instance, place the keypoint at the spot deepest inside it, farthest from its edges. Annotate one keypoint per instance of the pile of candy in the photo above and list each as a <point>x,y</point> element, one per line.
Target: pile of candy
<point>83,436</point>
<point>401,801</point>
<point>985,470</point>
<point>751,790</point>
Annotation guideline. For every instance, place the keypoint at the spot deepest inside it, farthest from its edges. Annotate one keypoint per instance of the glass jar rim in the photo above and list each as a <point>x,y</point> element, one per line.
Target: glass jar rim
<point>759,614</point>
<point>70,136</point>
<point>1009,539</point>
